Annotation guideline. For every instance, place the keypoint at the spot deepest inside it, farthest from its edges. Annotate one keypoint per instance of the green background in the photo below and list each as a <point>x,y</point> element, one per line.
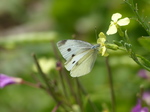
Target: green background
<point>28,26</point>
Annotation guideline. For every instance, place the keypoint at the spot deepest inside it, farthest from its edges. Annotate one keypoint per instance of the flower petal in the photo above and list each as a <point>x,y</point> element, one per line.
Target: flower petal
<point>102,35</point>
<point>144,109</point>
<point>102,38</point>
<point>143,73</point>
<point>103,50</point>
<point>146,97</point>
<point>7,80</point>
<point>139,108</point>
<point>112,29</point>
<point>116,16</point>
<point>124,21</point>
<point>136,108</point>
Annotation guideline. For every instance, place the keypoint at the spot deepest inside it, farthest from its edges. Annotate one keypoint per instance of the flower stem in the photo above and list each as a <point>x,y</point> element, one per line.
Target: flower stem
<point>30,84</point>
<point>60,71</point>
<point>140,20</point>
<point>111,85</point>
<point>62,82</point>
<point>45,78</point>
<point>141,94</point>
<point>95,109</point>
<point>79,96</point>
<point>56,107</point>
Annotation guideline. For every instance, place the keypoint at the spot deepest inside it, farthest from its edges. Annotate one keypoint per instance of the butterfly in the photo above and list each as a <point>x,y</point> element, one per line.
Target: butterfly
<point>80,56</point>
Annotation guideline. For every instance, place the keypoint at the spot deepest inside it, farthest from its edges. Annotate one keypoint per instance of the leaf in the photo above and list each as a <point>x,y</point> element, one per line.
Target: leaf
<point>145,42</point>
<point>34,37</point>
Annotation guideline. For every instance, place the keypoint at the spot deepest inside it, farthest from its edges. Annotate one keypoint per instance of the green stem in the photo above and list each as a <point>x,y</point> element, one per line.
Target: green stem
<point>56,108</point>
<point>50,89</point>
<point>134,57</point>
<point>95,109</point>
<point>141,94</point>
<point>111,85</point>
<point>44,77</point>
<point>69,83</point>
<point>62,82</point>
<point>79,96</point>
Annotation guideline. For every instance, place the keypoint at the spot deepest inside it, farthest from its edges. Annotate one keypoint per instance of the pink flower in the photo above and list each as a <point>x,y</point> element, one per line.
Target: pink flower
<point>7,80</point>
<point>146,97</point>
<point>139,108</point>
<point>144,74</point>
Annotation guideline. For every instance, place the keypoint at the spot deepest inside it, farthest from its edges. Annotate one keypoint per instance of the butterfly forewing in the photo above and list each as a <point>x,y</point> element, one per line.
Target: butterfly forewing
<point>70,48</point>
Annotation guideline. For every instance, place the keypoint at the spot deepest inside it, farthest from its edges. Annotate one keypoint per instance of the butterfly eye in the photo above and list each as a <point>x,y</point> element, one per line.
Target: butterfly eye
<point>69,49</point>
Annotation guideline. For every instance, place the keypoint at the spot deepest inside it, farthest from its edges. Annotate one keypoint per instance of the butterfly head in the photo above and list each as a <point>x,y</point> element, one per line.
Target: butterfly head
<point>95,46</point>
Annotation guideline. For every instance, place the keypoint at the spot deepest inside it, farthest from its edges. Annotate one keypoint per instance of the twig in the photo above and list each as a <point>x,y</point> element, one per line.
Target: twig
<point>56,107</point>
<point>62,82</point>
<point>111,85</point>
<point>30,84</point>
<point>60,70</point>
<point>45,79</point>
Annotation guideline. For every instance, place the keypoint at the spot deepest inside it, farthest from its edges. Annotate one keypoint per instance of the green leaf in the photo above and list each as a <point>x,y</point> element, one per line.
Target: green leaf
<point>145,42</point>
<point>24,39</point>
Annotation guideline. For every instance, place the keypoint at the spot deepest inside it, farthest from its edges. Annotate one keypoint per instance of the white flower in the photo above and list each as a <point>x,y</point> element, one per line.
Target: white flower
<point>116,21</point>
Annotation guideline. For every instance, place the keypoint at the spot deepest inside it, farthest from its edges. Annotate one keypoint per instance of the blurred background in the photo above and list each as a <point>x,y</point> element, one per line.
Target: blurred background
<point>29,26</point>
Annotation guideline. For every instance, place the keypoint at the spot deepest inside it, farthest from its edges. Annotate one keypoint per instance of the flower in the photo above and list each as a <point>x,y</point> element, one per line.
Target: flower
<point>101,40</point>
<point>7,80</point>
<point>116,21</point>
<point>144,74</point>
<point>58,66</point>
<point>139,108</point>
<point>146,97</point>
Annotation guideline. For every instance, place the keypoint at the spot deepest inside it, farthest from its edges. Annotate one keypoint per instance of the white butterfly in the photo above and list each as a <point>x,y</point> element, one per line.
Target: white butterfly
<point>80,56</point>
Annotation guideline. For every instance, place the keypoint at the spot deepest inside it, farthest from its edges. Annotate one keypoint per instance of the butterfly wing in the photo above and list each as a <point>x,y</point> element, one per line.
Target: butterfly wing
<point>70,48</point>
<point>85,64</point>
<point>74,60</point>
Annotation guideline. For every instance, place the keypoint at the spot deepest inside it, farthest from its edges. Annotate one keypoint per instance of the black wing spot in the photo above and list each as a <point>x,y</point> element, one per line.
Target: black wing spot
<point>69,49</point>
<point>62,42</point>
<point>73,55</point>
<point>73,62</point>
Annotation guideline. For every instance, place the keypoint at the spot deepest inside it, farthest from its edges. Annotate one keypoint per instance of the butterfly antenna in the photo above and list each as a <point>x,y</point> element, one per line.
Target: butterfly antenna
<point>96,33</point>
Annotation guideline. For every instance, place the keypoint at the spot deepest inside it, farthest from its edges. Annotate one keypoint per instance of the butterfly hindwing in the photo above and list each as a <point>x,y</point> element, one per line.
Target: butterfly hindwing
<point>85,64</point>
<point>70,48</point>
<point>74,60</point>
